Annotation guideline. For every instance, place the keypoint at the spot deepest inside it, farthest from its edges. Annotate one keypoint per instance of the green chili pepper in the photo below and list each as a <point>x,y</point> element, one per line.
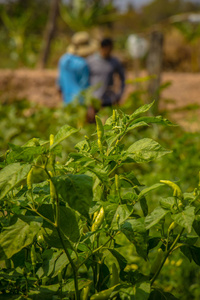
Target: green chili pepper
<point>52,188</point>
<point>177,191</point>
<point>51,139</point>
<point>33,258</point>
<point>114,116</point>
<point>30,179</point>
<point>51,155</point>
<point>100,132</point>
<point>85,293</point>
<point>100,129</point>
<point>157,262</point>
<point>104,295</point>
<point>99,220</point>
<point>115,275</point>
<point>117,182</point>
<point>117,218</point>
<point>172,226</point>
<point>60,276</point>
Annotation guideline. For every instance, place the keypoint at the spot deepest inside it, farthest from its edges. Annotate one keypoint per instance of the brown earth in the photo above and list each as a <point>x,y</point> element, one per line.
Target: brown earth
<point>181,99</point>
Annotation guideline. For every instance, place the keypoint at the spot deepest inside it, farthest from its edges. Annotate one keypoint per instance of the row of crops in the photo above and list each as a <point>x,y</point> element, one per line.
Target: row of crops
<point>107,211</point>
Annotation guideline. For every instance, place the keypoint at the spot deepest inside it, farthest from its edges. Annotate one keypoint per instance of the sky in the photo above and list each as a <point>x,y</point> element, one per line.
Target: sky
<point>138,3</point>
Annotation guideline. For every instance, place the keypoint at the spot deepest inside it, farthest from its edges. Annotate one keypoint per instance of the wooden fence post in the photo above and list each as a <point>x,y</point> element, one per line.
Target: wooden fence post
<point>154,66</point>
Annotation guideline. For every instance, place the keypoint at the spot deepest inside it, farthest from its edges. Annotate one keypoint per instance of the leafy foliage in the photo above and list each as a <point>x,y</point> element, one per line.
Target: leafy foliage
<point>58,229</point>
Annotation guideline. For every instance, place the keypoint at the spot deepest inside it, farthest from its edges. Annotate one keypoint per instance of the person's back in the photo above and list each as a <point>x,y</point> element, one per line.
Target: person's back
<point>102,67</point>
<point>73,68</point>
<point>73,76</point>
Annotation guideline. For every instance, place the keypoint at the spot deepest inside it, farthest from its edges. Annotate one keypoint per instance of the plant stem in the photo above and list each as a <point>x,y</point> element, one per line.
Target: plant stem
<point>77,296</point>
<point>166,256</point>
<point>96,250</point>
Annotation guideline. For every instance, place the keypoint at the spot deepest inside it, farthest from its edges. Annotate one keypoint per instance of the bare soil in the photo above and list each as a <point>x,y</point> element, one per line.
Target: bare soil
<point>181,99</point>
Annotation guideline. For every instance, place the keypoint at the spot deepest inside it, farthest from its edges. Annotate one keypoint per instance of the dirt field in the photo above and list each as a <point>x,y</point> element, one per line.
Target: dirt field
<point>181,99</point>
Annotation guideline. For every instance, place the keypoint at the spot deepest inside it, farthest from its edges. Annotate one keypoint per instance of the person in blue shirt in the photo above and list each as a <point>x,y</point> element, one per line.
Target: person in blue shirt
<point>73,68</point>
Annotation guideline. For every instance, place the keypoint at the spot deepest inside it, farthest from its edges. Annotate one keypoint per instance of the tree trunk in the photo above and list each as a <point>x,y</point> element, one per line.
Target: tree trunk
<point>49,33</point>
<point>154,66</point>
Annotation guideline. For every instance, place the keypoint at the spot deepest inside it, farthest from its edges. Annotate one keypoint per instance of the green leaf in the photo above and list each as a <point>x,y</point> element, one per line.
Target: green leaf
<point>52,263</point>
<point>19,235</point>
<point>144,206</point>
<point>67,223</point>
<point>196,226</point>
<point>186,251</point>
<point>120,258</point>
<point>49,257</point>
<point>167,203</point>
<point>76,190</point>
<point>60,264</point>
<point>149,189</point>
<point>116,214</point>
<point>31,143</point>
<point>145,150</point>
<point>45,292</point>
<point>157,120</point>
<point>155,216</point>
<point>140,291</point>
<point>185,218</point>
<point>24,153</point>
<point>141,110</point>
<point>136,233</point>
<point>153,242</point>
<point>192,253</point>
<point>69,287</point>
<point>129,178</point>
<point>11,176</point>
<point>62,134</point>
<point>188,240</point>
<point>195,252</point>
<point>139,124</point>
<point>161,295</point>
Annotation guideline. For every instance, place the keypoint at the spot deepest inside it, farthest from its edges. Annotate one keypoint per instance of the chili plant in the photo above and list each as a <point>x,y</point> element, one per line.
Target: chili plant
<point>64,226</point>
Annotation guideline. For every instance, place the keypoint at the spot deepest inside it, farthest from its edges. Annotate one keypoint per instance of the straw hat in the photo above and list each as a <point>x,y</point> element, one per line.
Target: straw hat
<point>82,44</point>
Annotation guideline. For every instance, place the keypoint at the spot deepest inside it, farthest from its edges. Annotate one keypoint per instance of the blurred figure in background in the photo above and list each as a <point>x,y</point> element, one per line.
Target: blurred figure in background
<point>73,68</point>
<point>102,68</point>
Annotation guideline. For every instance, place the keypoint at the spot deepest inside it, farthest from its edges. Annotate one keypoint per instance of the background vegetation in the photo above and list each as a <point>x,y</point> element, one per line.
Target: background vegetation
<point>23,25</point>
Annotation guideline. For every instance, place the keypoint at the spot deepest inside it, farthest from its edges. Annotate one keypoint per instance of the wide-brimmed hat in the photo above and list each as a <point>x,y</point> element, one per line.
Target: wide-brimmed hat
<point>82,44</point>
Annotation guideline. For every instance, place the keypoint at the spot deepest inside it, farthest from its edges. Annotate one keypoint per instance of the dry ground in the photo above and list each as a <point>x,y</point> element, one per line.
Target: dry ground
<point>181,99</point>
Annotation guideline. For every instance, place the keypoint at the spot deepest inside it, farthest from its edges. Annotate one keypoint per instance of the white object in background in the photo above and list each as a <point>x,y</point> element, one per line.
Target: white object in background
<point>137,46</point>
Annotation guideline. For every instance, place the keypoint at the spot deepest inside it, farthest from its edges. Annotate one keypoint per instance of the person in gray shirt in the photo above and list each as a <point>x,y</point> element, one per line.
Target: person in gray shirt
<point>102,67</point>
